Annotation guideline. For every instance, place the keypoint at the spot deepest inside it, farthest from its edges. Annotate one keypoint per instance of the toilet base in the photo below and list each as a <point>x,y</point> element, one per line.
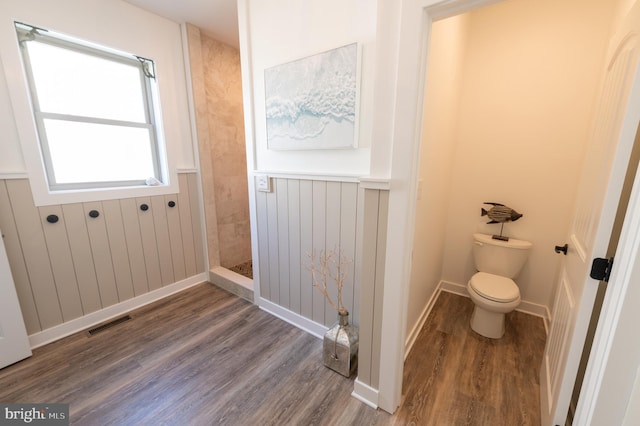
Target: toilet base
<point>486,323</point>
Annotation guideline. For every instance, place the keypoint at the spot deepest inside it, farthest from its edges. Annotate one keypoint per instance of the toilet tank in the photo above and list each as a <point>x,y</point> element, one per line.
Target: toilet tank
<point>504,258</point>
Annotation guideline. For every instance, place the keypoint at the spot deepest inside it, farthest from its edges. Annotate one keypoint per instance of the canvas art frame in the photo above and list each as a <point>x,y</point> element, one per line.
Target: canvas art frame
<point>313,102</point>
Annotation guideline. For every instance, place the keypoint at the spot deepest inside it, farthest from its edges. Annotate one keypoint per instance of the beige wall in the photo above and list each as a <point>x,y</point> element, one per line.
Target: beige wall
<point>217,88</point>
<point>527,94</point>
<point>439,132</point>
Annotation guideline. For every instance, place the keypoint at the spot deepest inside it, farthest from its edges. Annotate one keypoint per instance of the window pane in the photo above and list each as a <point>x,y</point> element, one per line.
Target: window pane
<point>88,152</point>
<point>70,82</point>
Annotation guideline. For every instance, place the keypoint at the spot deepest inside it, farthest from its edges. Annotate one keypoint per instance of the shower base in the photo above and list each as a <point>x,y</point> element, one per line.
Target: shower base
<point>245,269</point>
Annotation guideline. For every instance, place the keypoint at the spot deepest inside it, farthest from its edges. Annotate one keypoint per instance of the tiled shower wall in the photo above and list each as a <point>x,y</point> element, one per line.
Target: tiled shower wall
<point>217,94</point>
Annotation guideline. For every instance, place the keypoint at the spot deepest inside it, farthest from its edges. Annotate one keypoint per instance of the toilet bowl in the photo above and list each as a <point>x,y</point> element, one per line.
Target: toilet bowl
<point>493,296</point>
<point>492,289</point>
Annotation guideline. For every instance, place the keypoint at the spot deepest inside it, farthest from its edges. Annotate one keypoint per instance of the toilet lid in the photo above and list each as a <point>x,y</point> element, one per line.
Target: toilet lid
<point>495,287</point>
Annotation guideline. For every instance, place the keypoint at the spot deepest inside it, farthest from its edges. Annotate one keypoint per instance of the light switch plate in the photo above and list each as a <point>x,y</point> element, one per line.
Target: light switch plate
<point>263,183</point>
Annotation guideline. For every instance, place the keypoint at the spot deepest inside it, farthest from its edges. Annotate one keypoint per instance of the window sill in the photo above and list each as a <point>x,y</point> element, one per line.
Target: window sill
<point>42,196</point>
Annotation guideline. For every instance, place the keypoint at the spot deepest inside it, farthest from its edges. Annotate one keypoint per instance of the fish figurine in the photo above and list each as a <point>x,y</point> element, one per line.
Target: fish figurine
<point>500,213</point>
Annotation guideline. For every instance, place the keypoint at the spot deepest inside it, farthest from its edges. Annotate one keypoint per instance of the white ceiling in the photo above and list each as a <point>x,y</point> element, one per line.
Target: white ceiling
<point>216,18</point>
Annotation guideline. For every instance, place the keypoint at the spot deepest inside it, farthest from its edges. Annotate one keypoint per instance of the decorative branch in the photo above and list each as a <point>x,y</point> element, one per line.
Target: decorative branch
<point>329,267</point>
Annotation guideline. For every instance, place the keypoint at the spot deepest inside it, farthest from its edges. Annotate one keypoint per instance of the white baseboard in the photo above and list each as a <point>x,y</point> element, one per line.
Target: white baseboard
<point>361,391</point>
<point>292,318</point>
<point>65,329</point>
<point>525,307</point>
<point>413,335</point>
<point>365,393</point>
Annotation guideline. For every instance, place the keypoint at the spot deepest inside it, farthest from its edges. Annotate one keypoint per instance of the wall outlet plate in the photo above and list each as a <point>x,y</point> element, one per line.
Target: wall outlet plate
<point>263,183</point>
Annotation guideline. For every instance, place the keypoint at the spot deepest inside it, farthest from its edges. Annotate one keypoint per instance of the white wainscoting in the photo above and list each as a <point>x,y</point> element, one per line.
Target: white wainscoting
<point>79,265</point>
<point>301,217</point>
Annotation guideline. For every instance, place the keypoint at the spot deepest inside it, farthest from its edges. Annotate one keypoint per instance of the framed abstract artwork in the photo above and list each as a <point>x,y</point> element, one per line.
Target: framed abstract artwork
<point>312,103</point>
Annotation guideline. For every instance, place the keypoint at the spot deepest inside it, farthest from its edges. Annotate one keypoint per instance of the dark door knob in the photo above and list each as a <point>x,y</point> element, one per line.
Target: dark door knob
<point>562,249</point>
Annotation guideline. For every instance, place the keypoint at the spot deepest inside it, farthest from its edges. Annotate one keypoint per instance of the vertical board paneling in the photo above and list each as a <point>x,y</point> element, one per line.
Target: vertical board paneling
<point>304,217</point>
<point>162,236</point>
<point>198,232</point>
<point>295,256</point>
<point>175,238</point>
<point>80,246</point>
<point>282,204</point>
<point>381,244</point>
<point>186,227</point>
<point>306,247</point>
<point>332,244</point>
<point>558,337</point>
<point>149,244</point>
<point>35,253</point>
<point>358,256</point>
<point>348,223</point>
<point>367,293</point>
<point>128,210</point>
<point>263,244</point>
<point>101,255</point>
<point>17,262</point>
<point>61,260</point>
<point>319,210</point>
<point>119,250</point>
<point>79,264</point>
<point>272,241</point>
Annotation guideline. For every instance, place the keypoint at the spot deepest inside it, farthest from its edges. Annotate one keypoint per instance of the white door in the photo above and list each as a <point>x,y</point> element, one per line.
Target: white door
<point>598,195</point>
<point>14,343</point>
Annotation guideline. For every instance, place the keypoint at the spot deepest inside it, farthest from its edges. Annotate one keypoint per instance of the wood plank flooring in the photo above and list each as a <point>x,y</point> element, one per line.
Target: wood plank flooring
<point>454,376</point>
<point>205,356</point>
<point>201,357</point>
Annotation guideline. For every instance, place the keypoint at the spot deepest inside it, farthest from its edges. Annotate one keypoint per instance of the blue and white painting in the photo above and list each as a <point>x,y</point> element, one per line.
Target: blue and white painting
<point>311,103</point>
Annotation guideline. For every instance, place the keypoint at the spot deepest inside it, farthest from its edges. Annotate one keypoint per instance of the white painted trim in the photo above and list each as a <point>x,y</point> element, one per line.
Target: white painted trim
<point>365,394</point>
<point>14,175</point>
<point>383,184</point>
<point>246,70</point>
<point>306,176</point>
<point>195,150</point>
<point>304,324</point>
<point>25,175</point>
<point>525,307</point>
<point>63,330</point>
<point>186,171</point>
<point>454,288</point>
<point>193,128</point>
<point>413,335</point>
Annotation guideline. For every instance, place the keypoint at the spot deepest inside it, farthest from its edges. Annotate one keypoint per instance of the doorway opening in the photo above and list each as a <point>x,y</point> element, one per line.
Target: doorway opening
<point>515,133</point>
<point>219,117</point>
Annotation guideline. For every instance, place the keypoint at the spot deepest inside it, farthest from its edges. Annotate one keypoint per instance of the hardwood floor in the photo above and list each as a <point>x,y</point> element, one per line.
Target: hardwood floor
<point>454,376</point>
<point>205,357</point>
<point>201,357</point>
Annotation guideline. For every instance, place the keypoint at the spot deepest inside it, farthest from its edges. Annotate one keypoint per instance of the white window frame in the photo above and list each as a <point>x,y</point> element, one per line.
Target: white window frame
<point>146,68</point>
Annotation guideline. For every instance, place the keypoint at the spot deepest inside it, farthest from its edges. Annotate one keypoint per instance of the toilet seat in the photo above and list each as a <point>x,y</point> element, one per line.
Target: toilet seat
<point>494,287</point>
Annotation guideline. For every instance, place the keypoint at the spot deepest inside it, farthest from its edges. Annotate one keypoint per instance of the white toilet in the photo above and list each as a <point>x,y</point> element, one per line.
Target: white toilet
<point>492,289</point>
